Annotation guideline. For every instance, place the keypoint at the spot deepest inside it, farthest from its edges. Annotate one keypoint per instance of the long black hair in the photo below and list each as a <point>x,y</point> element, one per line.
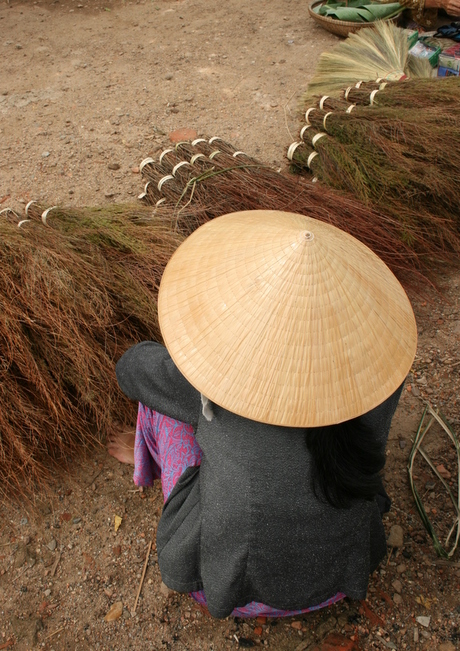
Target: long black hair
<point>346,462</point>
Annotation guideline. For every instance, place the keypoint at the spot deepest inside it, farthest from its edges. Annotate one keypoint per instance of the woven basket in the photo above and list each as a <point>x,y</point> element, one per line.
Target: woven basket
<point>340,27</point>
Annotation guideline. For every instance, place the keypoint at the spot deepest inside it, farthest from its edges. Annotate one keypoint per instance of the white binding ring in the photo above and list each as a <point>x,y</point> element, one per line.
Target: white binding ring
<point>292,148</point>
<point>211,140</point>
<point>176,167</point>
<point>197,140</point>
<point>313,108</point>
<point>163,180</point>
<point>311,157</point>
<point>302,131</point>
<point>45,214</point>
<point>146,186</point>
<point>350,108</point>
<point>163,153</point>
<point>28,206</point>
<point>23,221</point>
<point>239,153</point>
<point>141,196</point>
<point>322,100</point>
<point>382,86</point>
<point>372,96</point>
<point>325,118</point>
<point>195,157</point>
<point>315,139</point>
<point>358,84</point>
<point>160,201</point>
<point>345,95</point>
<point>214,153</point>
<point>145,162</point>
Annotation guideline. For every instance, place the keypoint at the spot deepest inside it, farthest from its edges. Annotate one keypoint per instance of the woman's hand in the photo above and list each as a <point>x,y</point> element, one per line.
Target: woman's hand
<point>451,7</point>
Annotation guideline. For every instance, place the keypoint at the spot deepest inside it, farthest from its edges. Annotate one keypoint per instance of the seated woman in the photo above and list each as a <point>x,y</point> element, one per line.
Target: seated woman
<point>267,414</point>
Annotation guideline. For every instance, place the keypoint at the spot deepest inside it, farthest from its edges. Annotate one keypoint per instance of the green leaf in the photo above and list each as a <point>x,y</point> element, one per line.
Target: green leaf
<point>358,11</point>
<point>383,11</point>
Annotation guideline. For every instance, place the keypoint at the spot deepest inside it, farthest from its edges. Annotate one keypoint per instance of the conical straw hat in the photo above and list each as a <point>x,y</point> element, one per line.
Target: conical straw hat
<point>285,320</point>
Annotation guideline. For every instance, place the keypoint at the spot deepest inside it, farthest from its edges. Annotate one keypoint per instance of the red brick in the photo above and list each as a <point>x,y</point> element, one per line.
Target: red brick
<point>182,134</point>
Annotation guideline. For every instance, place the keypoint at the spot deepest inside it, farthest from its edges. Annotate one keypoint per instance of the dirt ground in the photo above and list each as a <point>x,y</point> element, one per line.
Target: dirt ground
<point>88,88</point>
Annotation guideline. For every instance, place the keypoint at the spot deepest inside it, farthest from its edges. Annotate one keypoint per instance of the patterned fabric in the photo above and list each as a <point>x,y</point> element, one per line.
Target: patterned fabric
<point>256,609</point>
<point>163,449</point>
<point>418,13</point>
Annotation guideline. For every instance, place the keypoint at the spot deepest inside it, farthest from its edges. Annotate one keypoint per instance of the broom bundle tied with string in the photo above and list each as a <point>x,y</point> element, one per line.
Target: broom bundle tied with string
<point>229,180</point>
<point>79,286</point>
<point>402,157</point>
<point>75,294</point>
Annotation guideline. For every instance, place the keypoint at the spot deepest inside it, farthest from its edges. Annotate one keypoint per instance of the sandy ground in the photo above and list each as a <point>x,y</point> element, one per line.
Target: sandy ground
<point>87,90</point>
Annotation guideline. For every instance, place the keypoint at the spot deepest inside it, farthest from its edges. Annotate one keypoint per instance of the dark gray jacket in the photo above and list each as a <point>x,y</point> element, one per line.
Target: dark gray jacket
<point>246,525</point>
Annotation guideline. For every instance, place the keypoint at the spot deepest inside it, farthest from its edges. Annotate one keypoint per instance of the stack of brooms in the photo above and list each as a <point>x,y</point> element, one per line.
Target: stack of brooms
<point>395,145</point>
<point>79,286</point>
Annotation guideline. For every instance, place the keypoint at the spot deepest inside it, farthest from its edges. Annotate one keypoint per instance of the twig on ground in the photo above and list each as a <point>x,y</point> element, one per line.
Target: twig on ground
<point>53,634</point>
<point>142,577</point>
<point>56,563</point>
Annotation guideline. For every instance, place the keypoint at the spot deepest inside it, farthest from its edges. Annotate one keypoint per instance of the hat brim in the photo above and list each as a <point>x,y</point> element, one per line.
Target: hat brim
<point>285,320</point>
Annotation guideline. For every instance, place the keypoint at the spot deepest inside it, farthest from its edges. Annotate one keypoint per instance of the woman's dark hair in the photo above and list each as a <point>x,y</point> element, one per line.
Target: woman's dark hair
<point>346,462</point>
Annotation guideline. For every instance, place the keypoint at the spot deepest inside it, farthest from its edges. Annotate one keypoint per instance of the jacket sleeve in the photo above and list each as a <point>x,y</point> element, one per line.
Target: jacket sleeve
<point>147,374</point>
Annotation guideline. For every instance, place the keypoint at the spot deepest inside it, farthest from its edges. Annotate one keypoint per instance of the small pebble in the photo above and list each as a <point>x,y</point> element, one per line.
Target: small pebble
<point>402,444</point>
<point>401,568</point>
<point>52,545</point>
<point>23,521</point>
<point>396,537</point>
<point>114,166</point>
<point>47,592</point>
<point>423,621</point>
<point>115,612</point>
<point>45,154</point>
<point>168,76</point>
<point>397,585</point>
<point>446,646</point>
<point>397,598</point>
<point>165,591</point>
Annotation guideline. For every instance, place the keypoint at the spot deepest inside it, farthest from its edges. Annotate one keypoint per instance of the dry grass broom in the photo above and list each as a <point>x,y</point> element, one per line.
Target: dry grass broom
<point>79,286</point>
<point>403,160</point>
<point>380,51</point>
<point>222,179</point>
<point>75,294</point>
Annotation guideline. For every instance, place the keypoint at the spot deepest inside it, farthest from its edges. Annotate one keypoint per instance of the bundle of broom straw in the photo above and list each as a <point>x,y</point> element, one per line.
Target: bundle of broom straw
<point>76,289</point>
<point>379,51</point>
<point>216,178</point>
<point>79,286</point>
<point>398,156</point>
